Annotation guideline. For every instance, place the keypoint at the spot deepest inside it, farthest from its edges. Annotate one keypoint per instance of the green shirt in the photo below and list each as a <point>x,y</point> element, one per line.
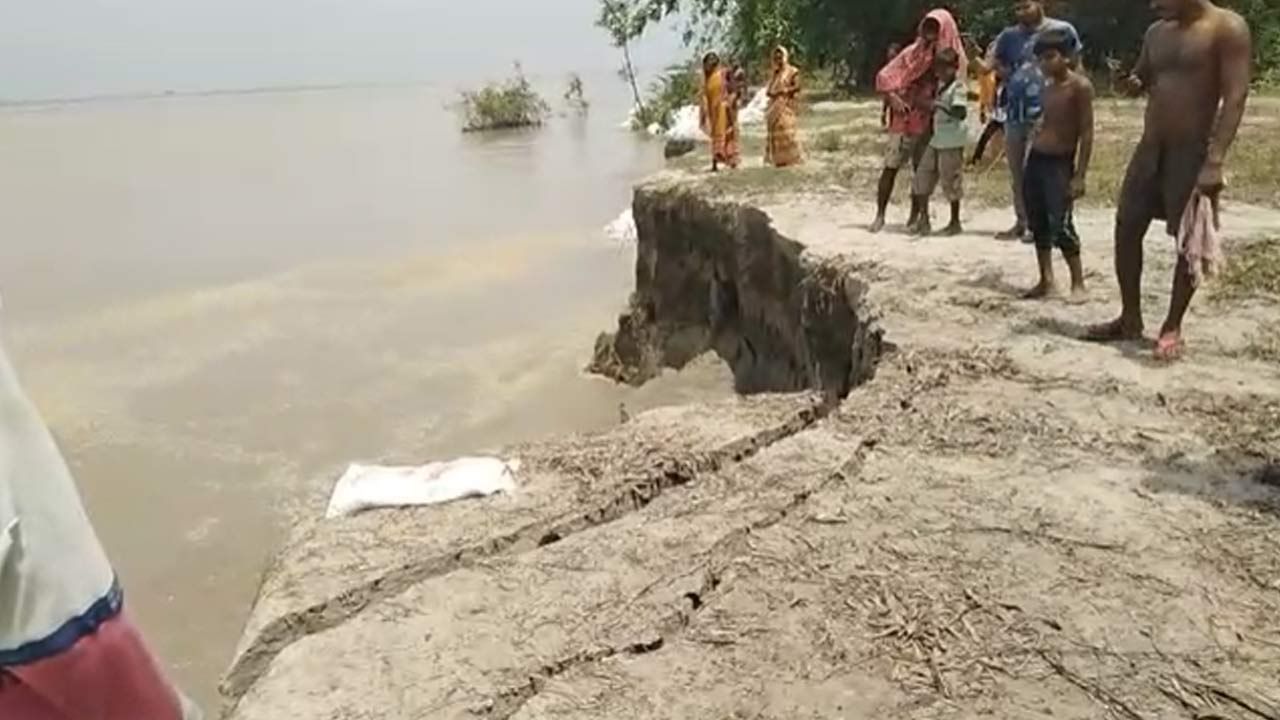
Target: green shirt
<point>949,132</point>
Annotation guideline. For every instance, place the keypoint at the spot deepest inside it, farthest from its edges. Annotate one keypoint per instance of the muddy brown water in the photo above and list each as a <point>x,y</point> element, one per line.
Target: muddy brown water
<point>218,301</point>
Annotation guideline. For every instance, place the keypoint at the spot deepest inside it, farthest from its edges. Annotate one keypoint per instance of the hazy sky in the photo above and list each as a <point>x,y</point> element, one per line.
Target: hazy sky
<point>63,48</point>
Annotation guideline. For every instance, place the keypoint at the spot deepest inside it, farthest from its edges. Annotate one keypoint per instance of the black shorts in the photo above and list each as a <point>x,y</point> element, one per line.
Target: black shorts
<point>1158,186</point>
<point>1047,189</point>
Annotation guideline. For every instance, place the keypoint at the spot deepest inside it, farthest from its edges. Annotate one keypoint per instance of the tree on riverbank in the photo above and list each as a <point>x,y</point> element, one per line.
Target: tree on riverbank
<point>850,36</point>
<point>623,26</point>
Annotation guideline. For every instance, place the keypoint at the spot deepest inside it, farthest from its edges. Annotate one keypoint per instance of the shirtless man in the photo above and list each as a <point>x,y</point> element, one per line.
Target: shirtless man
<point>1058,164</point>
<point>1194,67</point>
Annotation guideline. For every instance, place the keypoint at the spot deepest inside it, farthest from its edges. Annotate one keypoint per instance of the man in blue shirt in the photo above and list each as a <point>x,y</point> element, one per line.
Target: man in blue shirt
<point>1015,61</point>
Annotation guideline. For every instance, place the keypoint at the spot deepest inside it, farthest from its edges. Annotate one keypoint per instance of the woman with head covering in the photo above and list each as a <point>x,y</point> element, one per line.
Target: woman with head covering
<point>782,148</point>
<point>889,54</point>
<point>719,120</point>
<point>908,84</point>
<point>68,651</point>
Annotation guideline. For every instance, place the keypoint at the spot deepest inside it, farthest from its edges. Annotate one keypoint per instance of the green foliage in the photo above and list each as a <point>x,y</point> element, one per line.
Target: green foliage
<point>675,88</point>
<point>512,103</point>
<point>850,36</point>
<point>1264,18</point>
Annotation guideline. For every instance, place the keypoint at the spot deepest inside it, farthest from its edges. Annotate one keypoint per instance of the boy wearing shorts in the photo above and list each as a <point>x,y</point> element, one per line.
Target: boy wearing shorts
<point>943,161</point>
<point>1058,164</point>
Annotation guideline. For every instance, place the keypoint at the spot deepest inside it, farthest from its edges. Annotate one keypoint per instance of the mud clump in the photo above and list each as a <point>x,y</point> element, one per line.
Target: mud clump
<point>716,276</point>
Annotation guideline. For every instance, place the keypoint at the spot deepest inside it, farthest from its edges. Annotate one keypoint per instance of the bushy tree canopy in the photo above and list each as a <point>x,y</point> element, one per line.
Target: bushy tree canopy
<point>852,35</point>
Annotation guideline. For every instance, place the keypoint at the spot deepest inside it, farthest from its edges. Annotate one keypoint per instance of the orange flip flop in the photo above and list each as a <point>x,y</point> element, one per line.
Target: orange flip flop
<point>1169,348</point>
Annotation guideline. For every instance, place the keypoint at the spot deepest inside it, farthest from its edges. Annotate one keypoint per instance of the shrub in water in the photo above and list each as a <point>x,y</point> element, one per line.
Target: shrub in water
<point>512,103</point>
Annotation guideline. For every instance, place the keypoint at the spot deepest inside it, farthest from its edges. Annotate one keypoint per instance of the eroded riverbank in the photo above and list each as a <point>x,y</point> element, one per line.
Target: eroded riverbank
<point>715,276</point>
<point>1000,520</point>
<point>1005,520</point>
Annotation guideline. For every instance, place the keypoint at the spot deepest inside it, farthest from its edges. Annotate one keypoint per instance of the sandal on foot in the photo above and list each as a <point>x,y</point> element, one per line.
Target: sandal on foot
<point>1169,348</point>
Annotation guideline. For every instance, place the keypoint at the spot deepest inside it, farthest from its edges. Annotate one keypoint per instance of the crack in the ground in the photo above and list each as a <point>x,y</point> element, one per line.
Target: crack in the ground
<point>636,493</point>
<point>508,703</point>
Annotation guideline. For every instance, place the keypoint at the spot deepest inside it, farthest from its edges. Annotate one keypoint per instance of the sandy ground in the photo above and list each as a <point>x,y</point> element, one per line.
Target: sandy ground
<point>1005,522</point>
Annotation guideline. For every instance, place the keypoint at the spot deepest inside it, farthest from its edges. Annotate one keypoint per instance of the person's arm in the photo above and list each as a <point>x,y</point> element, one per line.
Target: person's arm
<point>958,108</point>
<point>998,59</point>
<point>1084,154</point>
<point>1138,80</point>
<point>1235,48</point>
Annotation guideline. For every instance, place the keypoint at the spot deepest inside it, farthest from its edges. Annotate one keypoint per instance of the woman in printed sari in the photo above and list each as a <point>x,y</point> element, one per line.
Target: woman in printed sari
<point>782,148</point>
<point>719,119</point>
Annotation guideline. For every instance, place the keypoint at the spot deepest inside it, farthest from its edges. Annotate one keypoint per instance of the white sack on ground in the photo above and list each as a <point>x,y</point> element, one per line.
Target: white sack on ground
<point>366,487</point>
<point>753,113</point>
<point>686,124</point>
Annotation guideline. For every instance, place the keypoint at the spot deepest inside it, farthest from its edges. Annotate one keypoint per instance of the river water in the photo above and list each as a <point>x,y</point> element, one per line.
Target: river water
<point>217,301</point>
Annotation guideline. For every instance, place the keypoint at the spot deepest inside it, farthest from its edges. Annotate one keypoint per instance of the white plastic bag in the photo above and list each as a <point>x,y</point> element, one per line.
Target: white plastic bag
<point>753,113</point>
<point>686,124</point>
<point>365,487</point>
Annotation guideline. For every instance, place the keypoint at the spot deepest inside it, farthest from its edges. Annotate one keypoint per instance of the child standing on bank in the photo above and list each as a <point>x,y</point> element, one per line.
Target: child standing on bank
<point>1058,164</point>
<point>943,161</point>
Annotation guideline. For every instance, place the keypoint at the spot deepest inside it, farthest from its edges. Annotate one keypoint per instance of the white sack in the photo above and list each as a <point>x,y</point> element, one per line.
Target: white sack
<point>365,487</point>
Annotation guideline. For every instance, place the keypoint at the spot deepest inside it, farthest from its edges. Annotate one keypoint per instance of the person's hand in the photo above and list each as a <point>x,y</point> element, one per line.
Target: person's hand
<point>1131,85</point>
<point>1079,186</point>
<point>1210,182</point>
<point>897,103</point>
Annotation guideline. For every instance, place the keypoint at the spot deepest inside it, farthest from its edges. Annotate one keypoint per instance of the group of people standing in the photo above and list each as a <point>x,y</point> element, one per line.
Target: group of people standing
<point>1194,68</point>
<point>725,92</point>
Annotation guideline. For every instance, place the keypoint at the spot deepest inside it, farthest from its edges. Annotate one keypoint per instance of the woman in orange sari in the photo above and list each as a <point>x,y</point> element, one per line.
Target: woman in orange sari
<point>782,148</point>
<point>719,119</point>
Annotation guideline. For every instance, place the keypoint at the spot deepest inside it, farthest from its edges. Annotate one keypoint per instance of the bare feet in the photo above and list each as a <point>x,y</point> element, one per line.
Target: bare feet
<point>1014,233</point>
<point>921,228</point>
<point>876,225</point>
<point>952,230</point>
<point>1041,291</point>
<point>1169,346</point>
<point>1079,295</point>
<point>1119,330</point>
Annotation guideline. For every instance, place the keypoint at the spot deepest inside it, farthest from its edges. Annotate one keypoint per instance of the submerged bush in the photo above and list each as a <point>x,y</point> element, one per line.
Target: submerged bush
<point>512,103</point>
<point>576,96</point>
